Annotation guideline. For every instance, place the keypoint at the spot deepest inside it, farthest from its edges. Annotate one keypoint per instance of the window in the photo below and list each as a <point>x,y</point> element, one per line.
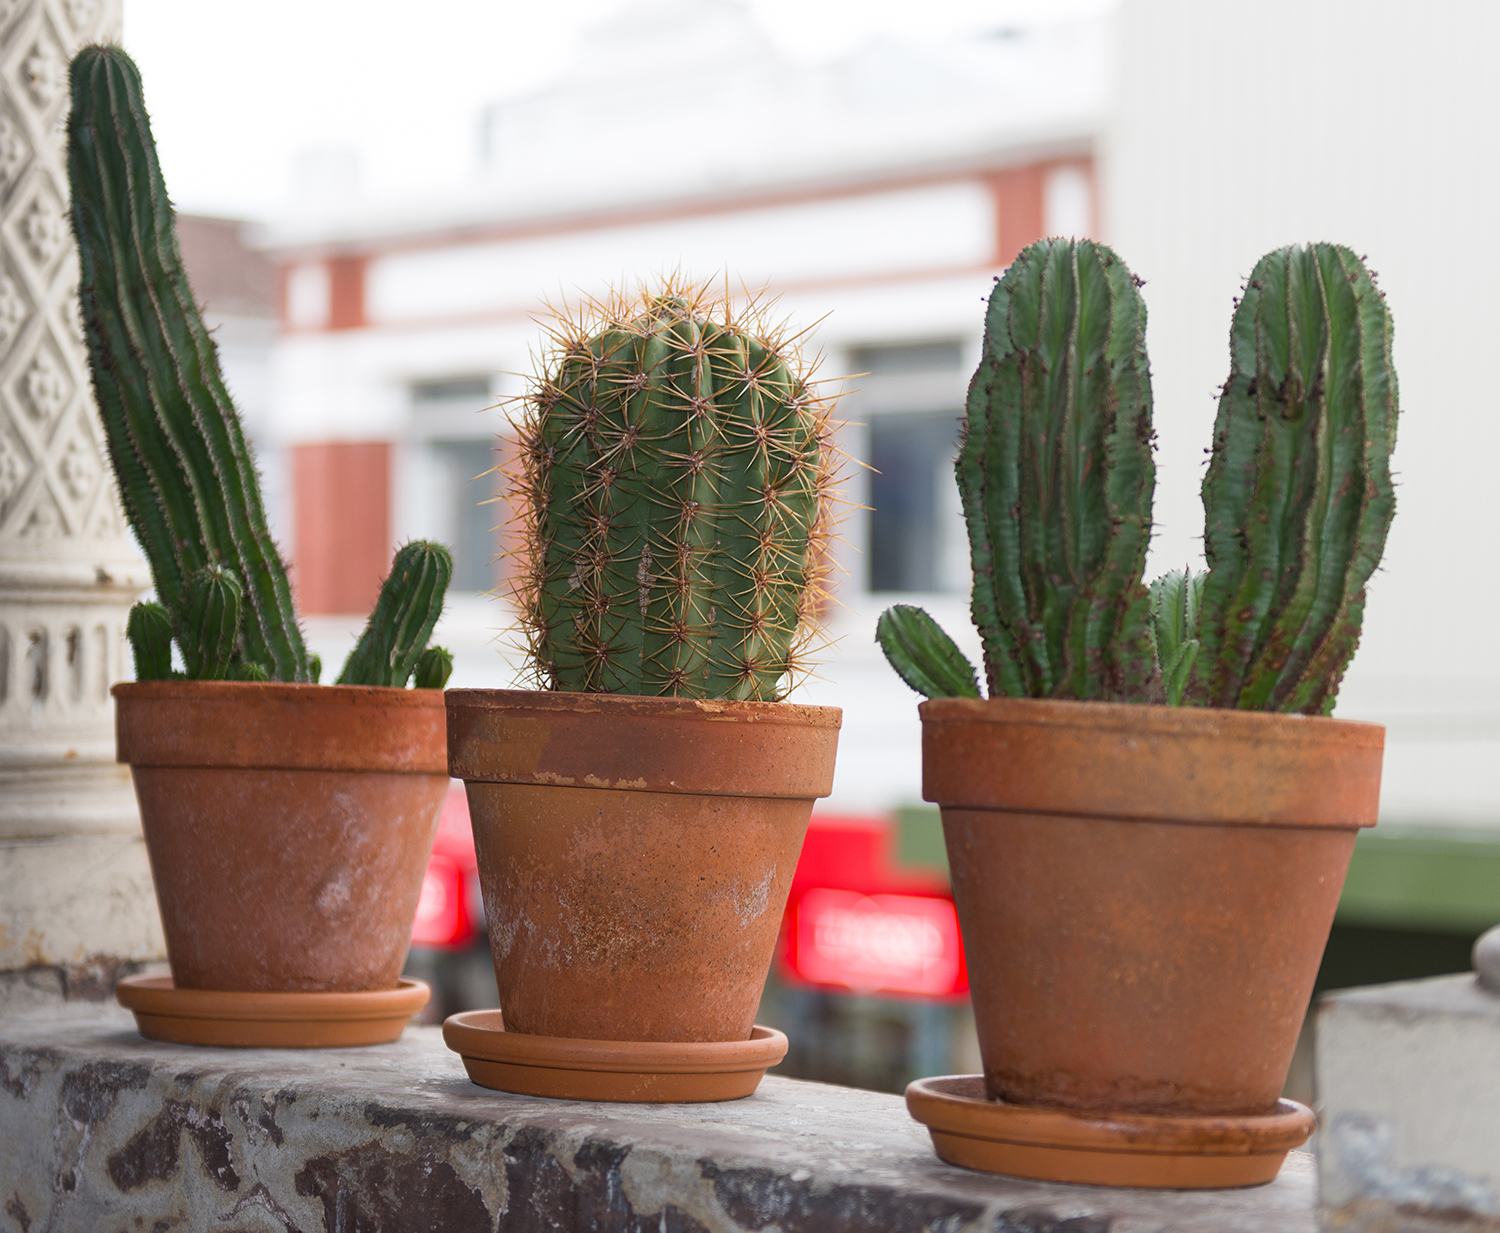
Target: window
<point>911,402</point>
<point>455,456</point>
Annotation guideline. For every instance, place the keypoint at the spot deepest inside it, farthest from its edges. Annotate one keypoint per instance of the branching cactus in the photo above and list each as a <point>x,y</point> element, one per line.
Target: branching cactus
<point>1298,496</point>
<point>186,476</point>
<point>1055,471</point>
<point>676,479</point>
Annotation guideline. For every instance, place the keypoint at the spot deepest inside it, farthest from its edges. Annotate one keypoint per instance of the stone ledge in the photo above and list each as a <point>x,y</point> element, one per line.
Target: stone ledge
<point>100,1129</point>
<point>1408,1083</point>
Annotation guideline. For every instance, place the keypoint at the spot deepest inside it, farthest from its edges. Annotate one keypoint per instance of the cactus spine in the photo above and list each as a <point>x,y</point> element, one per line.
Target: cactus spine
<point>411,600</point>
<point>184,469</point>
<point>676,476</point>
<point>1298,495</point>
<point>185,472</point>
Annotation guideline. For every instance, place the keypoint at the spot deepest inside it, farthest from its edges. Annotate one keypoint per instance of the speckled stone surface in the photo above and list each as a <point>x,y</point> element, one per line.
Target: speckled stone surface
<point>100,1129</point>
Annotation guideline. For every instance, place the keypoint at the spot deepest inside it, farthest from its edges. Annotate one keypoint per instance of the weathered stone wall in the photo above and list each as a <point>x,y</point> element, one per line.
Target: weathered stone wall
<point>101,1130</point>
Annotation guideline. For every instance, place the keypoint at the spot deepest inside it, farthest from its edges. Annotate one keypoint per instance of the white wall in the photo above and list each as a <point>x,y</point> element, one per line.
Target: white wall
<point>1242,126</point>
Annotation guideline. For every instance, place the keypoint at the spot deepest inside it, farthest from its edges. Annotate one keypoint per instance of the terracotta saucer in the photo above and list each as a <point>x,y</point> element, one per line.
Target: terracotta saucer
<point>1176,1153</point>
<point>621,1070</point>
<point>269,1020</point>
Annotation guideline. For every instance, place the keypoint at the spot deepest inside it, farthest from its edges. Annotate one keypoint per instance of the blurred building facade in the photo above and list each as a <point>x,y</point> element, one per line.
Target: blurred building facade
<point>875,199</point>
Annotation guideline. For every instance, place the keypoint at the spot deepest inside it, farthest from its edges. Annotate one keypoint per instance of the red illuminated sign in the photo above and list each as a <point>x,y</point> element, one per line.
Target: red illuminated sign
<point>449,913</point>
<point>877,943</point>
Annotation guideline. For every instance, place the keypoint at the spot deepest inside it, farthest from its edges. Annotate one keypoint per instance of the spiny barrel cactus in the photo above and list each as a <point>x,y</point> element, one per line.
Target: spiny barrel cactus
<point>676,480</point>
<point>1298,495</point>
<point>1056,473</point>
<point>185,471</point>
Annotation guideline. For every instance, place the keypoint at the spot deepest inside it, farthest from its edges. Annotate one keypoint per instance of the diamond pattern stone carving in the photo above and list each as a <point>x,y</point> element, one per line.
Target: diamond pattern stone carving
<point>45,388</point>
<point>44,73</point>
<point>12,469</point>
<point>79,468</point>
<point>43,228</point>
<point>81,13</point>
<point>13,148</point>
<point>12,312</point>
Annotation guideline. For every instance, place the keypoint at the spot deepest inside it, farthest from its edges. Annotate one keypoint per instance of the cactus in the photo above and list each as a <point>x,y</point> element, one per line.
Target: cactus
<point>1056,474</point>
<point>1175,600</point>
<point>411,600</point>
<point>210,629</point>
<point>149,630</point>
<point>923,655</point>
<point>1298,495</point>
<point>185,471</point>
<point>434,667</point>
<point>676,477</point>
<point>186,475</point>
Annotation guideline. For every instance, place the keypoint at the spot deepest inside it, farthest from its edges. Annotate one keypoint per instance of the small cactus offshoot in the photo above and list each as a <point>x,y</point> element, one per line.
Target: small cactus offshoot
<point>676,480</point>
<point>184,468</point>
<point>1055,473</point>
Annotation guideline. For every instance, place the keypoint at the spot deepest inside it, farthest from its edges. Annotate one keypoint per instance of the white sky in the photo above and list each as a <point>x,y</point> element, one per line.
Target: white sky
<point>236,89</point>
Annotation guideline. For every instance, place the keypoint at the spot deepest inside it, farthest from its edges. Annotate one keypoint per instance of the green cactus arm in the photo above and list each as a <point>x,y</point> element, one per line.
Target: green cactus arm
<point>923,655</point>
<point>1174,628</point>
<point>186,474</point>
<point>148,628</point>
<point>410,603</point>
<point>315,668</point>
<point>1056,475</point>
<point>434,667</point>
<point>1298,496</point>
<point>209,631</point>
<point>249,672</point>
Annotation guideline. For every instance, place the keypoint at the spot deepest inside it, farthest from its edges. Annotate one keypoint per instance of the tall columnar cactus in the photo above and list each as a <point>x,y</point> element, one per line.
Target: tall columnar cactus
<point>185,472</point>
<point>1056,473</point>
<point>1298,495</point>
<point>676,477</point>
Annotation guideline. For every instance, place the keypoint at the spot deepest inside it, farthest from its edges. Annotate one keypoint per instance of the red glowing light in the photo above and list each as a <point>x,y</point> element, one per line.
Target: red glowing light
<point>877,943</point>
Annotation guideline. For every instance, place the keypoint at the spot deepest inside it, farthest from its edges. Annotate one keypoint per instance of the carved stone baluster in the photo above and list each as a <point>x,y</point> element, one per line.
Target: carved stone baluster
<point>75,886</point>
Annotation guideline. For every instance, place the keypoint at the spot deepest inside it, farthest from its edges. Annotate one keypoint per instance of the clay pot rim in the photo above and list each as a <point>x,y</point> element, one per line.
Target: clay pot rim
<point>957,1104</point>
<point>799,714</point>
<point>159,996</point>
<point>481,1034</point>
<point>299,692</point>
<point>276,726</point>
<point>1152,720</point>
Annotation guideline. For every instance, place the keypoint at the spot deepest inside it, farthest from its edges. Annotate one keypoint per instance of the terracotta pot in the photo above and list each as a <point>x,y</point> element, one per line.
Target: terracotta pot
<point>1144,892</point>
<point>288,826</point>
<point>635,853</point>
